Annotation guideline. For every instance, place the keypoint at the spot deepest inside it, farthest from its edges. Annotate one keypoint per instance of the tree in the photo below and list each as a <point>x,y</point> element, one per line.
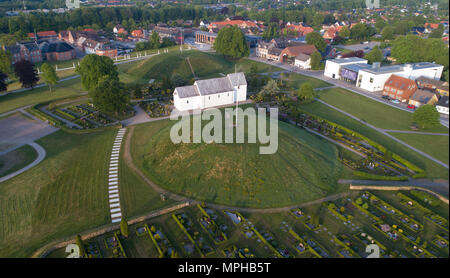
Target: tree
<point>27,73</point>
<point>154,40</point>
<point>345,32</point>
<point>3,84</point>
<point>437,33</point>
<point>231,42</point>
<point>272,31</point>
<point>306,93</point>
<point>426,116</point>
<point>361,31</point>
<point>110,96</point>
<point>5,62</point>
<point>316,59</point>
<point>93,68</point>
<point>124,227</point>
<point>375,55</point>
<point>387,33</point>
<point>316,39</point>
<point>80,244</point>
<point>49,75</point>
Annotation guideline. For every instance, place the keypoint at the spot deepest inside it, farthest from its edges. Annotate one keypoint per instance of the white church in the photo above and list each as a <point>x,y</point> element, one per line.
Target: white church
<point>211,92</point>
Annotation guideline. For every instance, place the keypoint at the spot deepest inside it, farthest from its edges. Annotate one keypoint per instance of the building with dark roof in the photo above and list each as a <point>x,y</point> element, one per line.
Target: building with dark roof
<point>438,86</point>
<point>57,51</point>
<point>28,51</point>
<point>422,97</point>
<point>442,105</point>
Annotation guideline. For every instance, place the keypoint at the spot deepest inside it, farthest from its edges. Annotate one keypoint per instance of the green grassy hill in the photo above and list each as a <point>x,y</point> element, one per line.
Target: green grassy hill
<point>304,168</point>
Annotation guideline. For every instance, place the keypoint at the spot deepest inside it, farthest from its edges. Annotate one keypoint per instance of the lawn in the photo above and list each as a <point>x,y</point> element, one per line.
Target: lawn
<point>371,111</point>
<point>16,160</point>
<point>436,146</point>
<point>432,169</point>
<point>65,194</point>
<point>304,168</point>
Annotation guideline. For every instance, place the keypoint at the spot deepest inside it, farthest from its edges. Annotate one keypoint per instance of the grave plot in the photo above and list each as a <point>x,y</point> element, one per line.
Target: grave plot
<point>161,242</point>
<point>301,247</point>
<point>196,239</point>
<point>156,109</point>
<point>217,232</point>
<point>235,252</point>
<point>366,239</point>
<point>114,248</point>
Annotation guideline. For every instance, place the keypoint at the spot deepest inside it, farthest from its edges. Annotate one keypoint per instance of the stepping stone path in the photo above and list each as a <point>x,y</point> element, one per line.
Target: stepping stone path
<point>113,180</point>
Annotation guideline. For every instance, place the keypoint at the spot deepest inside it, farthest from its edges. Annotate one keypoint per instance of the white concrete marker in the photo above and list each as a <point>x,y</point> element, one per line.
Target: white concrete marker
<point>114,196</point>
<point>115,200</point>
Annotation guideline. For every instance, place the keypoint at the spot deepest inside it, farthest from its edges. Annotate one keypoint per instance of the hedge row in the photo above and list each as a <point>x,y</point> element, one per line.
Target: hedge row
<point>43,116</point>
<point>369,176</point>
<point>174,216</point>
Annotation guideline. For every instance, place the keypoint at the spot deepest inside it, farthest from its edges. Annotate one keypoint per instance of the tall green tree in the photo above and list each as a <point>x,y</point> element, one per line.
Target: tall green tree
<point>27,73</point>
<point>110,95</point>
<point>305,93</point>
<point>426,116</point>
<point>231,43</point>
<point>437,33</point>
<point>49,75</point>
<point>155,40</point>
<point>5,62</point>
<point>124,227</point>
<point>387,33</point>
<point>3,84</point>
<point>316,59</point>
<point>345,32</point>
<point>375,55</point>
<point>93,68</point>
<point>316,39</point>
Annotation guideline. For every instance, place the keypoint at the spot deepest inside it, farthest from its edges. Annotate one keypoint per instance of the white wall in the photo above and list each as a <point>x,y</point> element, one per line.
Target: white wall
<point>433,73</point>
<point>333,69</point>
<point>302,64</point>
<point>443,110</point>
<point>218,99</point>
<point>377,83</point>
<point>183,104</point>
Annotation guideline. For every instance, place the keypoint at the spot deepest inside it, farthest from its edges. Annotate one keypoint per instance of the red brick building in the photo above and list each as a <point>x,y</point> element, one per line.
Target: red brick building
<point>397,87</point>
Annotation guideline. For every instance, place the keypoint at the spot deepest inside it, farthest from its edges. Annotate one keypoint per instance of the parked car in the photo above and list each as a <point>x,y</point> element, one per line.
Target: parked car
<point>411,107</point>
<point>386,97</point>
<point>396,101</point>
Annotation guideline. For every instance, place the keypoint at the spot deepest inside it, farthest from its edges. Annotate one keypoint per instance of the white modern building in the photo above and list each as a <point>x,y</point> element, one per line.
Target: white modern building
<point>442,105</point>
<point>333,66</point>
<point>211,92</point>
<point>373,79</point>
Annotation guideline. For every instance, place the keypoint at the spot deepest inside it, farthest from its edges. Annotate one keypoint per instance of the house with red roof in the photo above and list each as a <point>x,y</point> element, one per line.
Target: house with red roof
<point>401,88</point>
<point>289,54</point>
<point>44,35</point>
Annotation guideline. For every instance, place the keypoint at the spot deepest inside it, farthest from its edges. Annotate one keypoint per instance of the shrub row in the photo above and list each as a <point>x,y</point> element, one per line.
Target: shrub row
<point>369,176</point>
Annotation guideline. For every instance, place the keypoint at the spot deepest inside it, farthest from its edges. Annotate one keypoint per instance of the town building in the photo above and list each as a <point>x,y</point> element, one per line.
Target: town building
<point>438,86</point>
<point>442,105</point>
<point>28,51</point>
<point>44,35</point>
<point>303,61</point>
<point>397,87</point>
<point>205,37</point>
<point>289,54</point>
<point>333,66</point>
<point>422,97</point>
<point>57,51</point>
<point>211,92</point>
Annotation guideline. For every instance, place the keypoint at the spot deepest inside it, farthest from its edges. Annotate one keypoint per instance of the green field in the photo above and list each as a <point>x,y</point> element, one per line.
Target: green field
<point>434,145</point>
<point>432,169</point>
<point>16,160</point>
<point>304,168</point>
<point>371,111</point>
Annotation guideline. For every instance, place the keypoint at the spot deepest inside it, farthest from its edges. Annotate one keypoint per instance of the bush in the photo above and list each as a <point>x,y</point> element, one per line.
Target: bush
<point>379,177</point>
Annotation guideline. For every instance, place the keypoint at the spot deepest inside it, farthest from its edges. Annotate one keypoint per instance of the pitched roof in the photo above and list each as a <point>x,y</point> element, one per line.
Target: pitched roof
<point>237,79</point>
<point>294,51</point>
<point>303,57</point>
<point>401,83</point>
<point>443,101</point>
<point>437,83</point>
<point>187,91</point>
<point>422,96</point>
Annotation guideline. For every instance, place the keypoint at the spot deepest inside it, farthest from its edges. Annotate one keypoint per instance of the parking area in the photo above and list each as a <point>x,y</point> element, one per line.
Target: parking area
<point>366,47</point>
<point>19,129</point>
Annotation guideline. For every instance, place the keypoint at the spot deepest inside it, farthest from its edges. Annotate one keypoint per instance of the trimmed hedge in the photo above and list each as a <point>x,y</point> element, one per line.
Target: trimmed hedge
<point>43,116</point>
<point>379,177</point>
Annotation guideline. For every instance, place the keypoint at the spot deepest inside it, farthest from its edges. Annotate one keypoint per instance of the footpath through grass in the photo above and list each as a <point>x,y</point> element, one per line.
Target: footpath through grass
<point>432,169</point>
<point>371,111</point>
<point>436,146</point>
<point>63,195</point>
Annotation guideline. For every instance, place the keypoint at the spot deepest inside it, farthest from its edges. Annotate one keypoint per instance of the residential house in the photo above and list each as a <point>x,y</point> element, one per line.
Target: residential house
<point>300,29</point>
<point>28,51</point>
<point>119,29</point>
<point>442,105</point>
<point>57,51</point>
<point>438,86</point>
<point>422,97</point>
<point>274,54</point>
<point>289,53</point>
<point>211,92</point>
<point>138,33</point>
<point>303,61</point>
<point>397,87</point>
<point>44,35</point>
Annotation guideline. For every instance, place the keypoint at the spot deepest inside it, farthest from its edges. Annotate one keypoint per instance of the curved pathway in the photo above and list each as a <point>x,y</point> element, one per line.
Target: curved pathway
<point>41,155</point>
<point>385,133</point>
<point>180,198</point>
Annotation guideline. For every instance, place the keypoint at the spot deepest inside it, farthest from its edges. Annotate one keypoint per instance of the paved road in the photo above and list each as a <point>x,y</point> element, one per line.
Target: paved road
<point>415,132</point>
<point>41,155</point>
<point>439,187</point>
<point>342,84</point>
<point>386,134</point>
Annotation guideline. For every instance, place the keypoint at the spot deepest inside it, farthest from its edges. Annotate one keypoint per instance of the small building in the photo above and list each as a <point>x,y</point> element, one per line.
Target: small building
<point>205,37</point>
<point>274,54</point>
<point>303,61</point>
<point>442,105</point>
<point>289,54</point>
<point>44,35</point>
<point>422,97</point>
<point>211,92</point>
<point>333,66</point>
<point>28,51</point>
<point>57,51</point>
<point>262,49</point>
<point>397,87</point>
<point>438,86</point>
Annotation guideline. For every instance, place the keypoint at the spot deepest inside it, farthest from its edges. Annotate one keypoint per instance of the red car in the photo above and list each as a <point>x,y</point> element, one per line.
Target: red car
<point>411,107</point>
